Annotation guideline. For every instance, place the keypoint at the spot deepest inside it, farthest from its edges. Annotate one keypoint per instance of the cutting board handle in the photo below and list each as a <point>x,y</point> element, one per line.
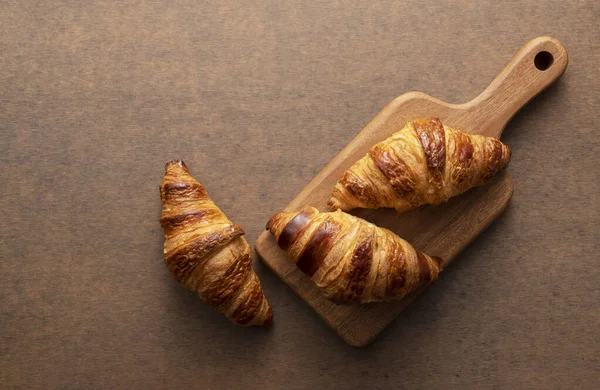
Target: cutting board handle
<point>535,67</point>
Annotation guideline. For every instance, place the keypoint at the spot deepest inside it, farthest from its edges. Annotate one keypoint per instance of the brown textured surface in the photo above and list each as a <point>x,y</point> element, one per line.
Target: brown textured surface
<point>258,97</point>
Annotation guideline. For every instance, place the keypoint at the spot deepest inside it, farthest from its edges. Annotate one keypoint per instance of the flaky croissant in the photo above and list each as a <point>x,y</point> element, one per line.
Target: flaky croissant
<point>350,259</point>
<point>206,252</point>
<point>424,163</point>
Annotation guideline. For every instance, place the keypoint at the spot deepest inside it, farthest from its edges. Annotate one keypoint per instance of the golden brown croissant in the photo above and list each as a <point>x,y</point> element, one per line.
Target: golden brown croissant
<point>424,163</point>
<point>206,252</point>
<point>350,259</point>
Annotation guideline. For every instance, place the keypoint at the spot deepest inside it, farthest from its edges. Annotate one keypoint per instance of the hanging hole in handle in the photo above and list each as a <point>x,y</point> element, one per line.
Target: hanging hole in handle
<point>543,60</point>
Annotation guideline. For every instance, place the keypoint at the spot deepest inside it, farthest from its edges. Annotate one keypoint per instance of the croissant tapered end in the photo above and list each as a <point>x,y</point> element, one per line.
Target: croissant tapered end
<point>261,315</point>
<point>278,221</point>
<point>267,319</point>
<point>275,220</point>
<point>176,164</point>
<point>206,252</point>
<point>179,186</point>
<point>177,171</point>
<point>439,262</point>
<point>334,204</point>
<point>423,163</point>
<point>285,226</point>
<point>250,308</point>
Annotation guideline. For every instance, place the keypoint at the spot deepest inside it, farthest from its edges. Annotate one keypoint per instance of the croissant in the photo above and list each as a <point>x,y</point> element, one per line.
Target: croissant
<point>206,252</point>
<point>424,163</point>
<point>350,259</point>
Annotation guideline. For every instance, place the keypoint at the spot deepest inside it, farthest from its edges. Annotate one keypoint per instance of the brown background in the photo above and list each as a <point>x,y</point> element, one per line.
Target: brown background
<point>257,97</point>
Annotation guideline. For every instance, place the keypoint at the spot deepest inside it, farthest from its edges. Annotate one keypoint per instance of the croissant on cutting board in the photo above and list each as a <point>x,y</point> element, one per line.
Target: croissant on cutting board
<point>350,259</point>
<point>424,163</point>
<point>206,252</point>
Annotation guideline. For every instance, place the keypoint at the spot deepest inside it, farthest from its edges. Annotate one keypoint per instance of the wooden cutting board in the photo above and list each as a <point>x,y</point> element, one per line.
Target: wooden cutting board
<point>442,230</point>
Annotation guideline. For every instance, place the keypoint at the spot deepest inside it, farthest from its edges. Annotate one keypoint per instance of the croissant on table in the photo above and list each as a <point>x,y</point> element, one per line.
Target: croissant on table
<point>424,163</point>
<point>350,259</point>
<point>206,252</point>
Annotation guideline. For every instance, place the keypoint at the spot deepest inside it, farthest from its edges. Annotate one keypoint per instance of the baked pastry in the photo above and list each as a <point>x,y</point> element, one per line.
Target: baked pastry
<point>350,259</point>
<point>206,252</point>
<point>424,163</point>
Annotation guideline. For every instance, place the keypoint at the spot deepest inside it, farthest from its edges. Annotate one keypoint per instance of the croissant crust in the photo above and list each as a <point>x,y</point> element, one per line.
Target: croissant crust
<point>206,252</point>
<point>350,259</point>
<point>424,163</point>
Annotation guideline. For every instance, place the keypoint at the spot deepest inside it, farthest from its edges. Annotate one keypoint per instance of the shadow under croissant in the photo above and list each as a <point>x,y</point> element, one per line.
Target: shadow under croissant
<point>426,313</point>
<point>194,323</point>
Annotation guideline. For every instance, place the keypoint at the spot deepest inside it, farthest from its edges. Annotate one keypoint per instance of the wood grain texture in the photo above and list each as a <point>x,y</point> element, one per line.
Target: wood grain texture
<point>443,230</point>
<point>257,97</point>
